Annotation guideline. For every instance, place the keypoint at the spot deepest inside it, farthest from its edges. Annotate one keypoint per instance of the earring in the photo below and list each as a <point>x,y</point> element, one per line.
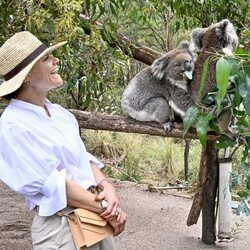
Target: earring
<point>27,79</point>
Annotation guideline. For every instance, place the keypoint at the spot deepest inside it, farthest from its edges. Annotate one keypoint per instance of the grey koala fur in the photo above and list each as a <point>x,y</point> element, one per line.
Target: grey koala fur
<point>152,93</point>
<point>218,38</point>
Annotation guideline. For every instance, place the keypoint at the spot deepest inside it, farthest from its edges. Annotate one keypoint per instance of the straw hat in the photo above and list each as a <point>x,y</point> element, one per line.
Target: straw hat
<point>17,57</point>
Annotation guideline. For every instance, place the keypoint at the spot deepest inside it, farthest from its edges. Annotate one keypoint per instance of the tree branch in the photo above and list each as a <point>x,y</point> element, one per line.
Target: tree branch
<point>100,121</point>
<point>137,51</point>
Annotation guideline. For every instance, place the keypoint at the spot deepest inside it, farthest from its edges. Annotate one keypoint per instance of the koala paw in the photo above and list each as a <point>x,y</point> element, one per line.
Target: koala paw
<point>167,126</point>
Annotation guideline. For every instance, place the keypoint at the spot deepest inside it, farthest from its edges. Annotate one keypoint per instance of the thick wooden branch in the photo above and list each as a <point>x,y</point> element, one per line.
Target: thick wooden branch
<point>137,51</point>
<point>100,121</point>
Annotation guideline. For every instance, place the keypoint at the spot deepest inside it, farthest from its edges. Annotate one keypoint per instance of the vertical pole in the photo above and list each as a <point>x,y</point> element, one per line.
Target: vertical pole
<point>224,215</point>
<point>186,156</point>
<point>209,195</point>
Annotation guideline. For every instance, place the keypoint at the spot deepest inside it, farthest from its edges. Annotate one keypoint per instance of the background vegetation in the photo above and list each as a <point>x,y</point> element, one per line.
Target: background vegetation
<point>96,74</point>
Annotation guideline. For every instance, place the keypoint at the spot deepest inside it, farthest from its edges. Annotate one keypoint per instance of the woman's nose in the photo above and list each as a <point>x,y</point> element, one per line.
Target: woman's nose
<point>56,60</point>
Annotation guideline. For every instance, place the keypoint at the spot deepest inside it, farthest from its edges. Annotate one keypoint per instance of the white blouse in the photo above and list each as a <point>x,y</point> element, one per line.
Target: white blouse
<point>39,152</point>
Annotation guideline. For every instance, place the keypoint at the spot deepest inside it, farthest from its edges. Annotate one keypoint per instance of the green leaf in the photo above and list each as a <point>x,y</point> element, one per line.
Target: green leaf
<point>243,90</point>
<point>248,81</point>
<point>201,128</point>
<point>245,167</point>
<point>248,182</point>
<point>234,179</point>
<point>246,103</point>
<point>237,99</point>
<point>233,65</point>
<point>242,193</point>
<point>224,142</point>
<point>203,78</point>
<point>189,118</point>
<point>222,76</point>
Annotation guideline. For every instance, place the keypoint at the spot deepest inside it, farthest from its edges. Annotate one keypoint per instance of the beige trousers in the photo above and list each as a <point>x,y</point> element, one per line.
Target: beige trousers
<point>53,232</point>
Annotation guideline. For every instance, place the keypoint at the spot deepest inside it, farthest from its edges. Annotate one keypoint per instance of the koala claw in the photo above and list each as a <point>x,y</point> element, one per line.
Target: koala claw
<point>167,126</point>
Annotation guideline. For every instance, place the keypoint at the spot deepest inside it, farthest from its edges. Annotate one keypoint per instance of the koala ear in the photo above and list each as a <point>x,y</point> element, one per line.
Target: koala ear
<point>197,36</point>
<point>226,34</point>
<point>223,24</point>
<point>159,66</point>
<point>184,45</point>
<point>221,29</point>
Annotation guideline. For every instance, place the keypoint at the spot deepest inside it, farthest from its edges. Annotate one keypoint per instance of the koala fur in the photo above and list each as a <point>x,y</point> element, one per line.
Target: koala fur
<point>152,93</point>
<point>218,38</point>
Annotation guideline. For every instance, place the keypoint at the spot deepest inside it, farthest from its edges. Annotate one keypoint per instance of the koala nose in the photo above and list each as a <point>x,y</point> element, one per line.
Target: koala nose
<point>188,66</point>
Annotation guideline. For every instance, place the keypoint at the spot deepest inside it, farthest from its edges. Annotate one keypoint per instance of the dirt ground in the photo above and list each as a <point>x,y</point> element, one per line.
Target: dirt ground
<point>156,221</point>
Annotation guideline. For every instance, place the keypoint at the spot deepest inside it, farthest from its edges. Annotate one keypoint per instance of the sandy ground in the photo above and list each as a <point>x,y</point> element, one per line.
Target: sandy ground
<point>156,221</point>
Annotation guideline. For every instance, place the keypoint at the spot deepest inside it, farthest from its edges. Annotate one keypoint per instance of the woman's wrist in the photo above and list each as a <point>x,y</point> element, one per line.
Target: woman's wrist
<point>102,183</point>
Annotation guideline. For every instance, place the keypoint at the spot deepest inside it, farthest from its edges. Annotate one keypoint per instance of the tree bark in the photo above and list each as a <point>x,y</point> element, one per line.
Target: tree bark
<point>186,156</point>
<point>136,51</point>
<point>196,207</point>
<point>100,121</point>
<point>210,191</point>
<point>206,193</point>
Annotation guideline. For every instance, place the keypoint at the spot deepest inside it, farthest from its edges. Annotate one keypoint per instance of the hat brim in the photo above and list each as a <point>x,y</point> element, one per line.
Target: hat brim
<point>16,82</point>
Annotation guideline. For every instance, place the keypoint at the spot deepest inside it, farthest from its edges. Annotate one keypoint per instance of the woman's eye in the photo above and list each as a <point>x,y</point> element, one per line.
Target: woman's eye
<point>45,57</point>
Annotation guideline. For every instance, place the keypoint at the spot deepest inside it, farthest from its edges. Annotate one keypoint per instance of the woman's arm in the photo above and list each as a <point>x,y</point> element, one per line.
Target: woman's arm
<point>81,198</point>
<point>108,193</point>
<point>114,213</point>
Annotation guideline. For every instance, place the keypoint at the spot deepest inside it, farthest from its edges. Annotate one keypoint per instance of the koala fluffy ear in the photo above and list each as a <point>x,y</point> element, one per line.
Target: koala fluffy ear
<point>197,36</point>
<point>226,34</point>
<point>221,29</point>
<point>184,45</point>
<point>159,66</point>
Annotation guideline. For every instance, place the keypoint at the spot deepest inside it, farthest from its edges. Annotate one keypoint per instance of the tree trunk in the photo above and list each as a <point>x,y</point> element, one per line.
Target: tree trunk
<point>210,192</point>
<point>196,207</point>
<point>186,156</point>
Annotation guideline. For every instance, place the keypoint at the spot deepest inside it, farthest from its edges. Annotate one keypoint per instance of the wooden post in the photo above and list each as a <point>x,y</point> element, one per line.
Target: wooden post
<point>186,156</point>
<point>209,197</point>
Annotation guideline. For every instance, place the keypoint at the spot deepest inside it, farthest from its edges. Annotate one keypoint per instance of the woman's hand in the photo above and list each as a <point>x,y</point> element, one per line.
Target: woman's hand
<point>118,225</point>
<point>109,194</point>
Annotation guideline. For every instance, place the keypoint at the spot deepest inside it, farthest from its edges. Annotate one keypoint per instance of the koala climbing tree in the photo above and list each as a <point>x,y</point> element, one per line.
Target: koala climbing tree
<point>211,43</point>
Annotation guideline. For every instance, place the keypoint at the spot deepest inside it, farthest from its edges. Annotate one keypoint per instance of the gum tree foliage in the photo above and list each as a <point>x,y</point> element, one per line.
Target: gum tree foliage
<point>95,74</point>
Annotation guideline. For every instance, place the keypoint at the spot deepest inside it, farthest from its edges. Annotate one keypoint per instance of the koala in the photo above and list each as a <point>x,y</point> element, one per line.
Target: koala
<point>218,38</point>
<point>161,88</point>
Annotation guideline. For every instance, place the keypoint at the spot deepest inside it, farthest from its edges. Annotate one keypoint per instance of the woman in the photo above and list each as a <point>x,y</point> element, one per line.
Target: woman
<point>42,156</point>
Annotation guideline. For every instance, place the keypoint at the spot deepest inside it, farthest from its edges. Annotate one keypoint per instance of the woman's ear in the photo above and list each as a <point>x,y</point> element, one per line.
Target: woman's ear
<point>27,79</point>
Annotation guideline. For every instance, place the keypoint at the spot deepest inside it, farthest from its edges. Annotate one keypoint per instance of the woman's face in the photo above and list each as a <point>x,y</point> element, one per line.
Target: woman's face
<point>44,74</point>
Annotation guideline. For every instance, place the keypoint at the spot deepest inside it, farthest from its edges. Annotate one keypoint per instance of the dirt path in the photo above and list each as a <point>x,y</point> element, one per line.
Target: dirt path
<point>155,222</point>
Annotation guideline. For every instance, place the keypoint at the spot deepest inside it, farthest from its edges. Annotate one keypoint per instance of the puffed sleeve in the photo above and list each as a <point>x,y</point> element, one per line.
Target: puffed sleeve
<point>29,166</point>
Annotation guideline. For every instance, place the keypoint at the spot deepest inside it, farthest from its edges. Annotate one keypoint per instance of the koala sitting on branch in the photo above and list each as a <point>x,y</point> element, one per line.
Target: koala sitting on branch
<point>219,38</point>
<point>152,93</point>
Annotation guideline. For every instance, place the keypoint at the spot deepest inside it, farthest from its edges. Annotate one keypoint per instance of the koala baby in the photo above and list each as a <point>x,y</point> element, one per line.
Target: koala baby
<point>152,93</point>
<point>218,38</point>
